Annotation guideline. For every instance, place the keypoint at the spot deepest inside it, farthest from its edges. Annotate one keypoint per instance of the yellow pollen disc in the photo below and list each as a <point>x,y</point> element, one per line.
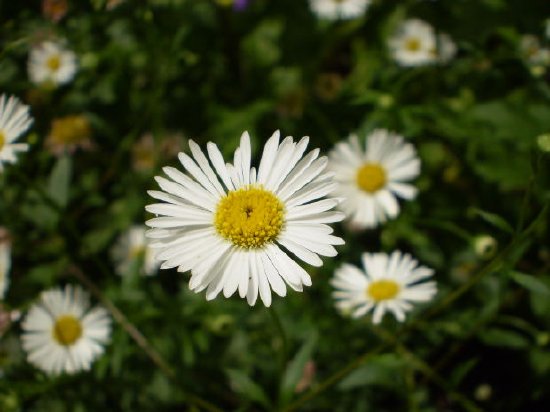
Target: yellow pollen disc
<point>412,44</point>
<point>371,177</point>
<point>67,330</point>
<point>249,217</point>
<point>2,139</point>
<point>53,62</point>
<point>382,290</point>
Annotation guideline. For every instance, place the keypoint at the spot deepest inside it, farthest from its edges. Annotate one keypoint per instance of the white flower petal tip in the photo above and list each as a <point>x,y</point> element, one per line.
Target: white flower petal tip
<point>62,334</point>
<point>14,121</point>
<point>370,180</point>
<point>239,228</point>
<point>339,9</point>
<point>386,283</point>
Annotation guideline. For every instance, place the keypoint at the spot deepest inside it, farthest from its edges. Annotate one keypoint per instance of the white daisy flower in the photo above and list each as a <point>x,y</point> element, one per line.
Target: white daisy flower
<point>414,43</point>
<point>14,121</point>
<point>386,283</point>
<point>230,233</point>
<point>52,63</point>
<point>369,180</point>
<point>339,9</point>
<point>132,249</point>
<point>61,332</point>
<point>5,262</point>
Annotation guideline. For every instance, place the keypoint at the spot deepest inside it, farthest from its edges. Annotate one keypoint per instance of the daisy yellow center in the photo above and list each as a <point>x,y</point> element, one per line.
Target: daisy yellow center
<point>2,139</point>
<point>371,177</point>
<point>53,62</point>
<point>249,217</point>
<point>67,330</point>
<point>382,290</point>
<point>412,44</point>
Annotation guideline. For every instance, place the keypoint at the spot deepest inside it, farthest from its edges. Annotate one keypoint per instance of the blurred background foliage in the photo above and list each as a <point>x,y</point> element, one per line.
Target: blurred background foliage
<point>153,73</point>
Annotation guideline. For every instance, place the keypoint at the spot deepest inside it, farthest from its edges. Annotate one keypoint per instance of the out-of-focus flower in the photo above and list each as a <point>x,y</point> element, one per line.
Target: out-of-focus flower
<point>5,261</point>
<point>483,392</point>
<point>69,133</point>
<point>231,236</point>
<point>339,9</point>
<point>14,121</point>
<point>144,154</point>
<point>54,10</point>
<point>62,334</point>
<point>543,142</point>
<point>7,317</point>
<point>112,4</point>
<point>446,48</point>
<point>485,246</point>
<point>308,375</point>
<point>328,86</point>
<point>415,43</point>
<point>387,283</point>
<point>51,63</point>
<point>171,144</point>
<point>370,180</point>
<point>132,250</point>
<point>535,55</point>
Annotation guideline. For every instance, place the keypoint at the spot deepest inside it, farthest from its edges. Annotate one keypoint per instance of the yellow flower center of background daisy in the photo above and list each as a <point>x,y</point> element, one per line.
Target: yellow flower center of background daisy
<point>412,44</point>
<point>70,130</point>
<point>249,217</point>
<point>2,139</point>
<point>382,290</point>
<point>53,62</point>
<point>67,330</point>
<point>371,177</point>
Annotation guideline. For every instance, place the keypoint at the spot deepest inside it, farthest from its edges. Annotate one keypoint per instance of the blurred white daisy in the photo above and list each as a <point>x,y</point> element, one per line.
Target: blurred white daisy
<point>413,43</point>
<point>339,9</point>
<point>369,180</point>
<point>14,121</point>
<point>386,283</point>
<point>230,233</point>
<point>62,334</point>
<point>50,62</point>
<point>5,261</point>
<point>131,251</point>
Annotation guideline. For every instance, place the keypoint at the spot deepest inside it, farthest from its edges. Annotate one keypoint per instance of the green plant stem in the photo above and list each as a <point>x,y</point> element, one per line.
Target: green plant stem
<point>490,267</point>
<point>282,334</point>
<point>138,337</point>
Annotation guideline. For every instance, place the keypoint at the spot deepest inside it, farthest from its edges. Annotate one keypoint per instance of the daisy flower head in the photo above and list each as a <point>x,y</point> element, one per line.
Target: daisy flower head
<point>131,250</point>
<point>14,121</point>
<point>414,43</point>
<point>5,261</point>
<point>339,9</point>
<point>50,62</point>
<point>232,225</point>
<point>387,283</point>
<point>62,334</point>
<point>370,180</point>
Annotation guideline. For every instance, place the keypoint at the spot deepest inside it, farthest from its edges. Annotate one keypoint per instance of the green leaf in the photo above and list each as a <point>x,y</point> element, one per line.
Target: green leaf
<point>530,283</point>
<point>295,368</point>
<point>59,181</point>
<point>504,338</point>
<point>246,387</point>
<point>495,220</point>
<point>383,370</point>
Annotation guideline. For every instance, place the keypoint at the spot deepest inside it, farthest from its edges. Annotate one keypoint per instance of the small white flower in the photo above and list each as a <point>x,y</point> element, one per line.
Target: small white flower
<point>369,180</point>
<point>414,43</point>
<point>52,63</point>
<point>132,249</point>
<point>14,121</point>
<point>5,262</point>
<point>485,246</point>
<point>533,52</point>
<point>62,334</point>
<point>386,283</point>
<point>231,233</point>
<point>339,9</point>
